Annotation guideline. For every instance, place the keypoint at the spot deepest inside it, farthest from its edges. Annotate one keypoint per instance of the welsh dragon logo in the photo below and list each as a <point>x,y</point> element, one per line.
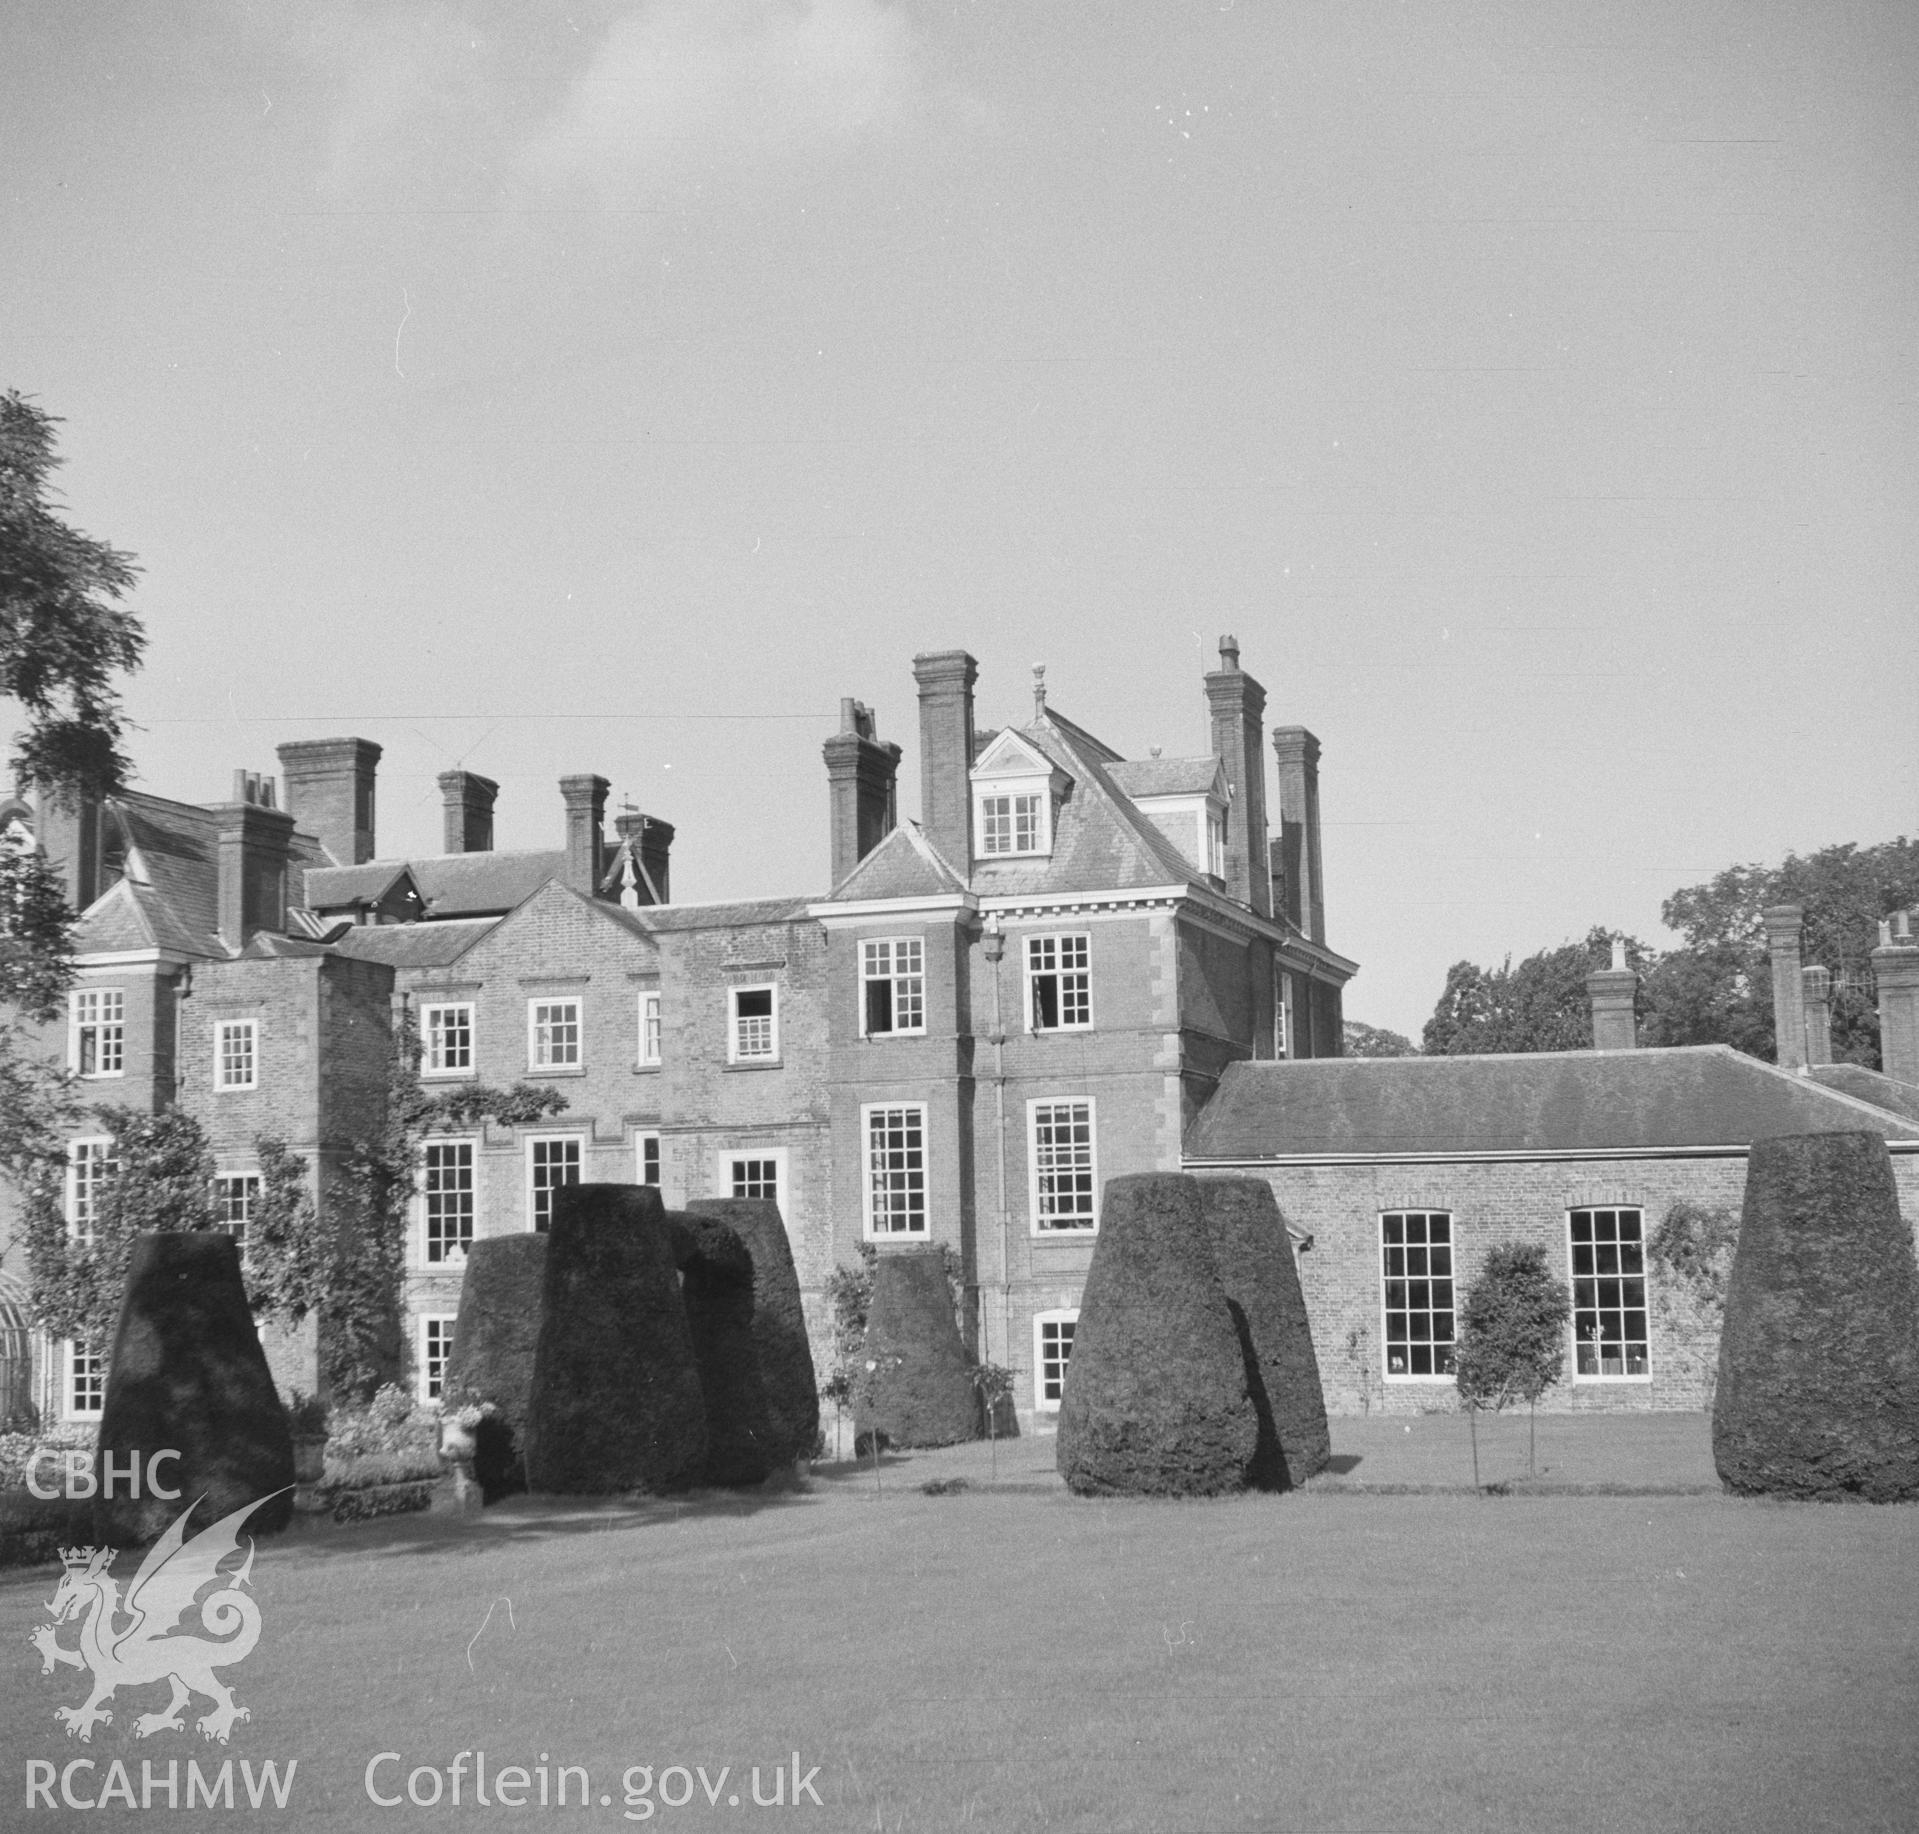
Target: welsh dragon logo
<point>143,1648</point>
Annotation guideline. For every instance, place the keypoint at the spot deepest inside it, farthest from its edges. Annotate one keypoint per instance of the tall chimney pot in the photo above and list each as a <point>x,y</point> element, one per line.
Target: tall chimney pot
<point>467,801</point>
<point>1783,923</point>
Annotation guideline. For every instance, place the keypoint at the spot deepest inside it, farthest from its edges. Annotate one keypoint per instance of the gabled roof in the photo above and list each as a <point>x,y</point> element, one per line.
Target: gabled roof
<point>1101,842</point>
<point>452,884</point>
<point>1011,754</point>
<point>1545,1102</point>
<point>904,865</point>
<point>170,896</point>
<point>1137,777</point>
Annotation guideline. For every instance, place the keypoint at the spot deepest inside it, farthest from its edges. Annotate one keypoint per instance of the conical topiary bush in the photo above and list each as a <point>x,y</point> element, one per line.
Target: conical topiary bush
<point>616,1402</point>
<point>1254,1256</point>
<point>1818,1390</point>
<point>494,1338</point>
<point>716,1276</point>
<point>1156,1401</point>
<point>779,1323</point>
<point>188,1375</point>
<point>914,1386</point>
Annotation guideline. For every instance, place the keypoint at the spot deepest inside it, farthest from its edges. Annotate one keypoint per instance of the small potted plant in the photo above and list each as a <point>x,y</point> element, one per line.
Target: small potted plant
<point>307,1416</point>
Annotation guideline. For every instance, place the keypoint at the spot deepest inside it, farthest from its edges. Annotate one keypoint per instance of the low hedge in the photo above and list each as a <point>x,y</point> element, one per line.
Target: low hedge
<point>34,1529</point>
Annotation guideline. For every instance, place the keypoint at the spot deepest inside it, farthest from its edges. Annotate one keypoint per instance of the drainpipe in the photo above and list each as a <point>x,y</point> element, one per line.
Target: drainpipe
<point>994,948</point>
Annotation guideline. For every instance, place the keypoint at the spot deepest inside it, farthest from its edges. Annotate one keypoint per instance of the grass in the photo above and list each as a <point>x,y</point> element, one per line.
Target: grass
<point>1014,1658</point>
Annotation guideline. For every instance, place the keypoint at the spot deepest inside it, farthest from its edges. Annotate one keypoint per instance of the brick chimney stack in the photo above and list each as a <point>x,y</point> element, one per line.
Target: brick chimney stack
<point>68,827</point>
<point>1612,992</point>
<point>585,825</point>
<point>1237,704</point>
<point>467,799</point>
<point>946,681</point>
<point>330,794</point>
<point>1782,923</point>
<point>1815,984</point>
<point>1895,965</point>
<point>1297,752</point>
<point>254,845</point>
<point>862,772</point>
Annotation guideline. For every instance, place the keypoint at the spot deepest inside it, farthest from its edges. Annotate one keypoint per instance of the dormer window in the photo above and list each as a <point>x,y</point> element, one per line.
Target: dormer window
<point>1017,791</point>
<point>1012,824</point>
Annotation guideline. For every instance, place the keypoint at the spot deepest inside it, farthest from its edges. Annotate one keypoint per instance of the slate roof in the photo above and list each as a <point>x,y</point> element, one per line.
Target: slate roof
<point>1546,1102</point>
<point>1137,777</point>
<point>169,898</point>
<point>413,945</point>
<point>904,865</point>
<point>664,917</point>
<point>1869,1086</point>
<point>453,884</point>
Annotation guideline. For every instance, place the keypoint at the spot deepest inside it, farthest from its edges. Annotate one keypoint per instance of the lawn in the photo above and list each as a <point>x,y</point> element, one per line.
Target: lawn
<point>1017,1659</point>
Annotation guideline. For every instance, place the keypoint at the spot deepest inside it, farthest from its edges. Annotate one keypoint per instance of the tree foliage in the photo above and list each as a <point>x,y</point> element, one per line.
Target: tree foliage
<point>1541,1005</point>
<point>1512,1329</point>
<point>63,638</point>
<point>1375,1041</point>
<point>1691,1253</point>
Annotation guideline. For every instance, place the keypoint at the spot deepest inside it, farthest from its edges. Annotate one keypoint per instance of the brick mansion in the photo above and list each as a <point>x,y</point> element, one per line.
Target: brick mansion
<point>1073,965</point>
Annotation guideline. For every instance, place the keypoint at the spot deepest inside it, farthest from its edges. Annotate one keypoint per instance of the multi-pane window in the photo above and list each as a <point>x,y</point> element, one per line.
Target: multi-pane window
<point>1416,1268</point>
<point>235,1198</point>
<point>1012,824</point>
<point>99,1027</point>
<point>236,1054</point>
<point>446,1198</point>
<point>446,1039</point>
<point>1059,984</point>
<point>436,1345</point>
<point>896,1169</point>
<point>1065,1187</point>
<point>90,1163</point>
<point>85,1389</point>
<point>1052,1347</point>
<point>649,1050</point>
<point>1282,1013</point>
<point>553,1034</point>
<point>756,1176</point>
<point>646,1157</point>
<point>754,1024</point>
<point>551,1161</point>
<point>893,986</point>
<point>1609,1293</point>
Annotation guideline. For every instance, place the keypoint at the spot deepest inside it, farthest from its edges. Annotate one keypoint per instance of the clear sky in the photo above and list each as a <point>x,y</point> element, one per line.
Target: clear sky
<point>1529,387</point>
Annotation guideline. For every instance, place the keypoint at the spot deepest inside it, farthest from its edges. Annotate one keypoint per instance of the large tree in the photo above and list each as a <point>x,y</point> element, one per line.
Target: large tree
<point>1541,1005</point>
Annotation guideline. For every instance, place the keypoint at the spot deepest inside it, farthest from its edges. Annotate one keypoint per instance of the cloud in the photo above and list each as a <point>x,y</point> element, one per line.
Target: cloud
<point>694,90</point>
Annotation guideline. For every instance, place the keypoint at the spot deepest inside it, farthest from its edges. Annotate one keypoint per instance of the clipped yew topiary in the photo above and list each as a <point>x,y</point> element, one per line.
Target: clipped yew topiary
<point>779,1323</point>
<point>914,1386</point>
<point>188,1376</point>
<point>1254,1256</point>
<point>616,1402</point>
<point>492,1357</point>
<point>1157,1400</point>
<point>716,1276</point>
<point>1818,1390</point>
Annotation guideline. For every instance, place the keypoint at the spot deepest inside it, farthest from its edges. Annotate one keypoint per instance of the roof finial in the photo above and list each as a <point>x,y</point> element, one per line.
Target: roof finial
<point>1229,655</point>
<point>1039,690</point>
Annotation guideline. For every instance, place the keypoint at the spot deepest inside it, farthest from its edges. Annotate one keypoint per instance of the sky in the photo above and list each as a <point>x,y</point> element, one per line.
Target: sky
<point>614,387</point>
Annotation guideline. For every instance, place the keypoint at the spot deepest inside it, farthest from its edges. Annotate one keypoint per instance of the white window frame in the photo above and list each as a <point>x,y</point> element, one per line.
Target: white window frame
<point>97,1015</point>
<point>1060,942</point>
<point>225,1030</point>
<point>775,1156</point>
<point>1214,823</point>
<point>541,1044</point>
<point>578,1143</point>
<point>223,1183</point>
<point>1387,1373</point>
<point>72,1374</point>
<point>432,1039</point>
<point>1060,1315</point>
<point>1283,1013</point>
<point>870,1175</point>
<point>987,818</point>
<point>647,1037</point>
<point>641,1141</point>
<point>884,962</point>
<point>96,1152</point>
<point>433,1350</point>
<point>424,1195</point>
<point>1036,1216</point>
<point>1600,1377</point>
<point>734,1052</point>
